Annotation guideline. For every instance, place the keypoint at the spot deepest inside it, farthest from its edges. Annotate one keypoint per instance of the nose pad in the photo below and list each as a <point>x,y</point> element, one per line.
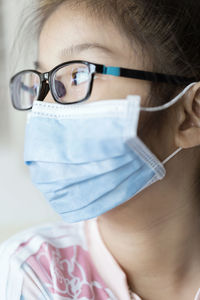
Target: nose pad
<point>44,91</point>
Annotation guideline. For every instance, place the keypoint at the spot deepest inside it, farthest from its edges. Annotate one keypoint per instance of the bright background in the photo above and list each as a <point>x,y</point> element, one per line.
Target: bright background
<point>21,205</point>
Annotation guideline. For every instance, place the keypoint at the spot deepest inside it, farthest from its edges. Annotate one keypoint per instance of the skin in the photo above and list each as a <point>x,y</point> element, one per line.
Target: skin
<point>154,236</point>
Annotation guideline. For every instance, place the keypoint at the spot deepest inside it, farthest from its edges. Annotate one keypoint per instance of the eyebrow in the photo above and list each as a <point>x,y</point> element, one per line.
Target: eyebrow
<point>77,49</point>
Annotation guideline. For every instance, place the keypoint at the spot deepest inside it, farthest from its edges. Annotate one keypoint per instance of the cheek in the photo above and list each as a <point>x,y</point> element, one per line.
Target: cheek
<point>110,87</point>
<point>154,131</point>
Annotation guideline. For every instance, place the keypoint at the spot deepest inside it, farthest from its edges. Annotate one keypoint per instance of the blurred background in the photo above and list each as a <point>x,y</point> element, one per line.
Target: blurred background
<point>21,205</point>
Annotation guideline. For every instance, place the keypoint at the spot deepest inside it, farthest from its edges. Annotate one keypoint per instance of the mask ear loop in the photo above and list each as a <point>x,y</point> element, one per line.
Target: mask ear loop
<point>168,104</point>
<point>171,156</point>
<point>165,106</point>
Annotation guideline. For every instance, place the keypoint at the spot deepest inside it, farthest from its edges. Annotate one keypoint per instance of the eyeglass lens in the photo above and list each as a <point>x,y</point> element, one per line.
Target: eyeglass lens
<point>25,89</point>
<point>71,83</point>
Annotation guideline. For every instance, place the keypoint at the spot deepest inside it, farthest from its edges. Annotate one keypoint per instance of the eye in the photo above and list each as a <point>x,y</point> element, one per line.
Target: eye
<point>80,75</point>
<point>60,89</point>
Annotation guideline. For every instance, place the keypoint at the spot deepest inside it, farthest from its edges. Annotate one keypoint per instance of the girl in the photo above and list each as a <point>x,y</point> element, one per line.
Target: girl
<point>112,142</point>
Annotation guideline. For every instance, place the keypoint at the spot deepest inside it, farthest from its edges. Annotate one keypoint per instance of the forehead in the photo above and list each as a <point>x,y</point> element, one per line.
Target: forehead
<point>68,27</point>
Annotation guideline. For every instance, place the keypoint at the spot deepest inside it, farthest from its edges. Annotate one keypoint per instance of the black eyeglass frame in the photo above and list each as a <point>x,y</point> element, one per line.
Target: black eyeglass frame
<point>94,68</point>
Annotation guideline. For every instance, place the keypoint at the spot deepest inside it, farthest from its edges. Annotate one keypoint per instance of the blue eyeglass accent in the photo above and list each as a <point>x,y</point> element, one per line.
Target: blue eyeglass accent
<point>115,71</point>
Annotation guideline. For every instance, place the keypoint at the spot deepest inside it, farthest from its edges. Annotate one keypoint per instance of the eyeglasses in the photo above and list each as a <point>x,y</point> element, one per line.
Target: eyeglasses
<point>72,82</point>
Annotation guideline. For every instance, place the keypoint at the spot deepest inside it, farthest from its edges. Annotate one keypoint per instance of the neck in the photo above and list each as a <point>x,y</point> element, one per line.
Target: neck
<point>156,242</point>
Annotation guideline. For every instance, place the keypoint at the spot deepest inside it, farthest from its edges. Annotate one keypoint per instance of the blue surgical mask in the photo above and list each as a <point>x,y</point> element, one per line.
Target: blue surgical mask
<point>87,158</point>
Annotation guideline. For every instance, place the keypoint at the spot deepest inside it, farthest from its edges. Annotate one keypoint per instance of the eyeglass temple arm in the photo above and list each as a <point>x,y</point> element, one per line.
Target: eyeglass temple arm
<point>143,75</point>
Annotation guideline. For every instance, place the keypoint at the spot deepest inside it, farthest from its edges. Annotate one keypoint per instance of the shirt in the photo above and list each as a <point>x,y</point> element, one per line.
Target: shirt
<point>61,261</point>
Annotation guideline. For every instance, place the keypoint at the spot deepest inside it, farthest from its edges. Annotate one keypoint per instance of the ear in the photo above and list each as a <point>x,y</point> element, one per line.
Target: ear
<point>188,130</point>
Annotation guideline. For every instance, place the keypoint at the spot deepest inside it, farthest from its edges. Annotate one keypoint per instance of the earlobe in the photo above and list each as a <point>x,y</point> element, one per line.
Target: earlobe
<point>188,134</point>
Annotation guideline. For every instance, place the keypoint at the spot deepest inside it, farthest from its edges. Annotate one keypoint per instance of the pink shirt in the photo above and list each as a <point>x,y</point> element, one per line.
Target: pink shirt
<point>61,261</point>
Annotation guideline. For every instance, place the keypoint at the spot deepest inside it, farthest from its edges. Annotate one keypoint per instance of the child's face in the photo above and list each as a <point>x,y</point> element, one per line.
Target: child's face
<point>74,34</point>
